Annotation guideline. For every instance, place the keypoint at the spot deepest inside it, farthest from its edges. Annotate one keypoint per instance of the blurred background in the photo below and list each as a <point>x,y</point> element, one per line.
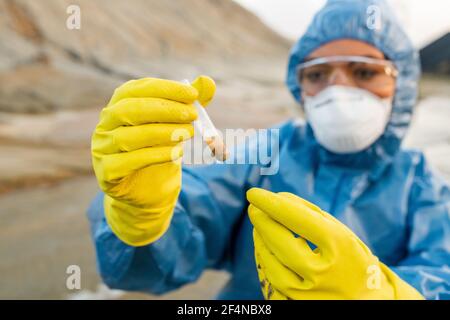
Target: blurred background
<point>54,81</point>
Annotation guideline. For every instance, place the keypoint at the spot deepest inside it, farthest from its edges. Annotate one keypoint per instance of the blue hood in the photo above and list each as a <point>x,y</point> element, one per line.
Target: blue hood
<point>348,19</point>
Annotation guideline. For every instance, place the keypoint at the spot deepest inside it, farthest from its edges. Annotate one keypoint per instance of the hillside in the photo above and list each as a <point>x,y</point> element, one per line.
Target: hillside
<point>53,83</point>
<point>44,66</point>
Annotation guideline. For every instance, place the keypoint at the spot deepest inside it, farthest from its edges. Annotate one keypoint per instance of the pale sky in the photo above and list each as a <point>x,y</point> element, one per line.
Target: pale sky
<point>424,20</point>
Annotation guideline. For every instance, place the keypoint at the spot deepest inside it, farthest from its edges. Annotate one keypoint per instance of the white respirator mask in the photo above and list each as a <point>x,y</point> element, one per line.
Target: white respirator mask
<point>347,119</point>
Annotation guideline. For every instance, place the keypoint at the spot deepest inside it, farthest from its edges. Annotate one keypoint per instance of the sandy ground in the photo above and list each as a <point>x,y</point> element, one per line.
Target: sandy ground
<point>43,224</point>
<point>44,231</point>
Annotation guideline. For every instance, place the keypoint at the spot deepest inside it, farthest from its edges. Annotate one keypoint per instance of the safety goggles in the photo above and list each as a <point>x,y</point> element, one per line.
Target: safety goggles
<point>364,72</point>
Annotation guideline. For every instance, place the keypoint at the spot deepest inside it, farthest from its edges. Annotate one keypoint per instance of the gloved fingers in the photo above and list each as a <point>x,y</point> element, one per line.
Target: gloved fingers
<point>206,88</point>
<point>294,215</point>
<point>293,252</point>
<point>138,111</point>
<point>279,277</point>
<point>155,88</point>
<point>263,282</point>
<point>269,292</point>
<point>337,225</point>
<point>129,138</point>
<point>119,165</point>
<point>310,205</point>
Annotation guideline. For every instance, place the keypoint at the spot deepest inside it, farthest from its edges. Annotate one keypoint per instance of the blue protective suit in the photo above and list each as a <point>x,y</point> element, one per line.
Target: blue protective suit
<point>388,196</point>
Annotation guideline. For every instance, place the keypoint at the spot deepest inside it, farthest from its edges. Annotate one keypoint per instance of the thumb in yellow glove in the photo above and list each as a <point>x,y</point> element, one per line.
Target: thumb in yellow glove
<point>340,267</point>
<point>137,149</point>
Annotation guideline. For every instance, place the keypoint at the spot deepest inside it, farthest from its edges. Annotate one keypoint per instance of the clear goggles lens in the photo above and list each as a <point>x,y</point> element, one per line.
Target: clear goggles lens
<point>367,73</point>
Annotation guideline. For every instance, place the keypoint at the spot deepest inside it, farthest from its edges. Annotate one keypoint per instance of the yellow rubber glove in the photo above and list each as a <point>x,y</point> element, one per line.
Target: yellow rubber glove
<point>340,267</point>
<point>137,149</point>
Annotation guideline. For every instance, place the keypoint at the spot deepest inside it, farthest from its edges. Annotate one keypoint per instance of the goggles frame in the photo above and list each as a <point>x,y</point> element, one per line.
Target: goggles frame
<point>389,67</point>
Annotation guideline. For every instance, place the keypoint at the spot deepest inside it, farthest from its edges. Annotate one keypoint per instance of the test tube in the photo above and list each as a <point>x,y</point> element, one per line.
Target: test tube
<point>208,131</point>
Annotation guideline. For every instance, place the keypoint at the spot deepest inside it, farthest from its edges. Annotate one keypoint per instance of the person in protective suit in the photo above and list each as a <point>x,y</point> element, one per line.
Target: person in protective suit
<point>348,215</point>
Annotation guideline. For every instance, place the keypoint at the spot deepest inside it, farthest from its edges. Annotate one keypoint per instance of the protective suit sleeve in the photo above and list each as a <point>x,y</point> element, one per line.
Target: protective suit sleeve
<point>211,202</point>
<point>428,253</point>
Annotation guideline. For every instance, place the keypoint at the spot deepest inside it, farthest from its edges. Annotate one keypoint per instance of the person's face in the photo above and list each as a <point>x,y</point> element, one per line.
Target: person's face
<point>338,73</point>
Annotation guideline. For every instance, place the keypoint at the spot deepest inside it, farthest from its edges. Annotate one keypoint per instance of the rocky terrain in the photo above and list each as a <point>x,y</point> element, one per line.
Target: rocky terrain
<point>53,83</point>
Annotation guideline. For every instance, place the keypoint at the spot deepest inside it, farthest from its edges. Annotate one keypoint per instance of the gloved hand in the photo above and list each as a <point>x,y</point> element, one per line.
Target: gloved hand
<point>340,267</point>
<point>137,149</point>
